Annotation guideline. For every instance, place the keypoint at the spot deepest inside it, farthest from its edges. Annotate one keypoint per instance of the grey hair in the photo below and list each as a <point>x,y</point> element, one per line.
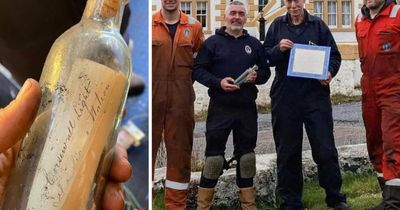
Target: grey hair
<point>235,2</point>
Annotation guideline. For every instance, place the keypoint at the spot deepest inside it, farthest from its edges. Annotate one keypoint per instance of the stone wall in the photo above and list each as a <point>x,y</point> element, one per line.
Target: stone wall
<point>353,159</point>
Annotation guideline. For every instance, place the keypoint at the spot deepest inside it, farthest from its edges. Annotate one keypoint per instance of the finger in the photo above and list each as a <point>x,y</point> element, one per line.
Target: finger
<point>113,197</point>
<point>232,88</point>
<point>17,117</point>
<point>235,87</point>
<point>286,46</point>
<point>229,88</point>
<point>289,45</point>
<point>230,80</point>
<point>121,169</point>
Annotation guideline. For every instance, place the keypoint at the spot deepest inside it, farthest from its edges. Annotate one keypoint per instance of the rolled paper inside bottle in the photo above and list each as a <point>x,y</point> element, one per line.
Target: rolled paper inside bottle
<point>65,176</point>
<point>110,8</point>
<point>242,78</point>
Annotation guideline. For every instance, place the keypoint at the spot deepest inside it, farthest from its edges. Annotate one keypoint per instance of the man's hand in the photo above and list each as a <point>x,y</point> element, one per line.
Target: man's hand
<point>285,45</point>
<point>327,81</point>
<point>120,172</point>
<point>227,84</point>
<point>251,77</point>
<point>15,121</point>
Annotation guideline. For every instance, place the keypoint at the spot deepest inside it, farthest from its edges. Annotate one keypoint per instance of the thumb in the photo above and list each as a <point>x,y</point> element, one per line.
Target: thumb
<point>17,117</point>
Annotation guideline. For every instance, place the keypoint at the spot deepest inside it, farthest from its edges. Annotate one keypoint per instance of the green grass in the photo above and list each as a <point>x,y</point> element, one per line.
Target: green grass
<point>200,116</point>
<point>264,108</point>
<point>342,99</point>
<point>362,191</point>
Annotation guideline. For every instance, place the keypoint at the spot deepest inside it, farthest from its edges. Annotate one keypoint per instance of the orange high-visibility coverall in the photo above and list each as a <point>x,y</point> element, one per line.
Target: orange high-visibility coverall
<point>379,51</point>
<point>173,101</point>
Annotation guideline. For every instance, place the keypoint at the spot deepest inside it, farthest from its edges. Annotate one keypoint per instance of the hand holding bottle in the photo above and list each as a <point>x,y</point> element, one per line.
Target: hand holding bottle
<point>15,121</point>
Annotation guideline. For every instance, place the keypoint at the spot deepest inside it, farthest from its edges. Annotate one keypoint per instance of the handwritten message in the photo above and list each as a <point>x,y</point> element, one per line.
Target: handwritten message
<point>83,123</point>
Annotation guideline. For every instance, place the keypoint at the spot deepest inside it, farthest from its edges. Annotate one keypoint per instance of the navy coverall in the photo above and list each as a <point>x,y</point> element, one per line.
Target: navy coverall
<point>223,55</point>
<point>296,101</point>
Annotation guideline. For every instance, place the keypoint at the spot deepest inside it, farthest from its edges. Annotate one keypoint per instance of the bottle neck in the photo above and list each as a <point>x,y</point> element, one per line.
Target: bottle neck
<point>110,11</point>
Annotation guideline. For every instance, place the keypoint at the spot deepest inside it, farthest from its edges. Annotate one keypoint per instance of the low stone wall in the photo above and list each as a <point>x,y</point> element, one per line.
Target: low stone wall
<point>353,159</point>
<point>346,82</point>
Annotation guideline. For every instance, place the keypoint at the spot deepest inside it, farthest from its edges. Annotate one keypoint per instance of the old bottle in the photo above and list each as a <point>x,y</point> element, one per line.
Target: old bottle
<point>64,159</point>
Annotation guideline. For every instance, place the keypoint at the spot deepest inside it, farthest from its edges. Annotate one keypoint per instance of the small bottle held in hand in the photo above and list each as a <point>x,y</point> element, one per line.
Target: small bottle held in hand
<point>65,157</point>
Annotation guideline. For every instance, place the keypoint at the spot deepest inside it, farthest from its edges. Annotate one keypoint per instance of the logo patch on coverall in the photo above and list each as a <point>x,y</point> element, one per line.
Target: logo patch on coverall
<point>247,48</point>
<point>186,32</point>
<point>386,46</point>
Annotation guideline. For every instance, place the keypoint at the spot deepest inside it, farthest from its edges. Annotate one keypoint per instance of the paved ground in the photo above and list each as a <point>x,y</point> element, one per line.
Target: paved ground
<point>348,129</point>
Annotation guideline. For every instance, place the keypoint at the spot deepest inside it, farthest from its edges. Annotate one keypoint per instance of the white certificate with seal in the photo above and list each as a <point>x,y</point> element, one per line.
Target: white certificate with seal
<point>309,61</point>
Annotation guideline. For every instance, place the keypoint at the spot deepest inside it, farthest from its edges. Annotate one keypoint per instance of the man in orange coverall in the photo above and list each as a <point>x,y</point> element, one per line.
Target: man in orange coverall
<point>378,36</point>
<point>176,39</point>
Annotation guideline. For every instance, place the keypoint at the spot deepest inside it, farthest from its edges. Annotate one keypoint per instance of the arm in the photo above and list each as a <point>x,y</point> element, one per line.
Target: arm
<point>335,58</point>
<point>271,46</point>
<point>264,72</point>
<point>198,38</point>
<point>201,65</point>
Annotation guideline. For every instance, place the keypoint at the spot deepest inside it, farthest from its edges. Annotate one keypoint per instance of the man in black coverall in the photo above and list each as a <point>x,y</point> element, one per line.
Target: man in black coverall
<point>223,57</point>
<point>296,101</point>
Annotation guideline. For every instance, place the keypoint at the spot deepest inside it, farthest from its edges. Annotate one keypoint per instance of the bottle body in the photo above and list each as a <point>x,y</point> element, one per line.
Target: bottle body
<point>64,159</point>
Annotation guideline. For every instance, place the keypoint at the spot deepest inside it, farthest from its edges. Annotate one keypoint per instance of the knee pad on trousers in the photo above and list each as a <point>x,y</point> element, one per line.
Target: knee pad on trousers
<point>247,164</point>
<point>213,167</point>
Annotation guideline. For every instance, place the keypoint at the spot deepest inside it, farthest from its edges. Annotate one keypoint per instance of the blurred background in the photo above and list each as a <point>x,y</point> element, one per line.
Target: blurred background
<point>137,107</point>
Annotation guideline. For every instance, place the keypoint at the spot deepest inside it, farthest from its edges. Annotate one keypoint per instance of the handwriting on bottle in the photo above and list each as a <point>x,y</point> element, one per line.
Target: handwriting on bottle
<point>83,122</point>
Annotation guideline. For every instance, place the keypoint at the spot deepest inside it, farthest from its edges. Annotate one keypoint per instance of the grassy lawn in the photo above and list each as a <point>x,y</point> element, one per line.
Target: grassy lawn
<point>362,192</point>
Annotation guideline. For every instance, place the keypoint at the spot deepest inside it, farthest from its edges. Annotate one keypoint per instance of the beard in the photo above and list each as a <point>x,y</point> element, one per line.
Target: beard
<point>236,28</point>
<point>374,5</point>
<point>236,25</point>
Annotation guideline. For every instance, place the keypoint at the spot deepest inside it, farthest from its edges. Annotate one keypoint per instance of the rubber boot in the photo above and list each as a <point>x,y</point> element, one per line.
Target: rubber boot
<point>381,205</point>
<point>175,199</point>
<point>248,198</point>
<point>204,198</point>
<point>392,197</point>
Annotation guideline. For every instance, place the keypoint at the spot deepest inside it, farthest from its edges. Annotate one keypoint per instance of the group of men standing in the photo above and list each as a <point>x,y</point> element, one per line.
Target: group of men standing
<point>182,56</point>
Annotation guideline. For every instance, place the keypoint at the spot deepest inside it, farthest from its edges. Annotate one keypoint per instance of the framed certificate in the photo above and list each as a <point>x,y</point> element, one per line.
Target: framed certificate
<point>309,61</point>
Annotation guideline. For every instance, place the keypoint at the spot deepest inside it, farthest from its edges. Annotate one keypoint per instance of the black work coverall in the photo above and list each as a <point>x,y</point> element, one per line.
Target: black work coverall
<point>297,101</point>
<point>223,55</point>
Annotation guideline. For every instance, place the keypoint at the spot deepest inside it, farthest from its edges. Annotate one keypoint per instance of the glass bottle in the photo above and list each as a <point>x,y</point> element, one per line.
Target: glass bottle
<point>64,159</point>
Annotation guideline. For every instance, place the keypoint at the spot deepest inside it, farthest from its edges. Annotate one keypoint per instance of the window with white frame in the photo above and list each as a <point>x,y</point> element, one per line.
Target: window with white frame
<point>346,14</point>
<point>201,13</point>
<point>319,9</point>
<point>186,7</point>
<point>332,14</point>
<point>262,4</point>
